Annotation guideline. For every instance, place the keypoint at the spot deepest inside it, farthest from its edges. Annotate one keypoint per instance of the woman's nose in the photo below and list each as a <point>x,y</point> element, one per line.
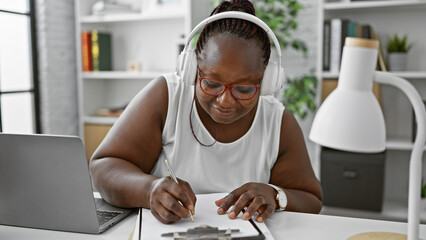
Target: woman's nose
<point>226,99</point>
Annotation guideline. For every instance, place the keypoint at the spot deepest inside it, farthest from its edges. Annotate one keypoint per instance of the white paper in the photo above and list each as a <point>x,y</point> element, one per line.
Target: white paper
<point>205,214</point>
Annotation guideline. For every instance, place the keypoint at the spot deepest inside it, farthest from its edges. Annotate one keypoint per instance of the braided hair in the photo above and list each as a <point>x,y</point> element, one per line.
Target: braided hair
<point>236,27</point>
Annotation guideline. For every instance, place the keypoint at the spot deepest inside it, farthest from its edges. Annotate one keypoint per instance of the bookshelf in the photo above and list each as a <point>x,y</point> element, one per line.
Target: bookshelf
<point>120,75</point>
<point>352,5</point>
<point>387,17</point>
<point>133,17</point>
<point>393,210</point>
<point>150,37</point>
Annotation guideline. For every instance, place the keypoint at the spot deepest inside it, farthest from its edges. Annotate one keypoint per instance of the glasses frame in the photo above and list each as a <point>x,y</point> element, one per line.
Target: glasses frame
<point>226,87</point>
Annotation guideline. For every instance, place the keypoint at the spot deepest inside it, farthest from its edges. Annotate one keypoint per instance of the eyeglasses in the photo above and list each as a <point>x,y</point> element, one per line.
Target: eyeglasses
<point>239,91</point>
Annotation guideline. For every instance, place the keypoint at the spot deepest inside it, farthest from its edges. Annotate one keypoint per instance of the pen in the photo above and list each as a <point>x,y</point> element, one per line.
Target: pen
<point>173,176</point>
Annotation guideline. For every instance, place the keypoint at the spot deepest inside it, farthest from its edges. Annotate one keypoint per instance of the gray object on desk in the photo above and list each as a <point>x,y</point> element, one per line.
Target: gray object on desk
<point>352,180</point>
<point>45,183</point>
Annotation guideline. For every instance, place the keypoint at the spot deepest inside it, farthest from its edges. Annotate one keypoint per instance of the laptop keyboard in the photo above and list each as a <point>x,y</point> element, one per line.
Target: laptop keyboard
<point>105,216</point>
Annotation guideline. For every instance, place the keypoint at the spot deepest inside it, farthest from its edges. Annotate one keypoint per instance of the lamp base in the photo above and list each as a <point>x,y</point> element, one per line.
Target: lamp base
<point>378,236</point>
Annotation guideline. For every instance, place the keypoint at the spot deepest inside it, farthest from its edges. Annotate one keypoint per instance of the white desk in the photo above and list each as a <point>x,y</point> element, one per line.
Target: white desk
<point>283,225</point>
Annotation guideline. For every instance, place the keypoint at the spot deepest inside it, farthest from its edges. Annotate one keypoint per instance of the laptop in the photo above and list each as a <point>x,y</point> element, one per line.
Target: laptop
<point>45,183</point>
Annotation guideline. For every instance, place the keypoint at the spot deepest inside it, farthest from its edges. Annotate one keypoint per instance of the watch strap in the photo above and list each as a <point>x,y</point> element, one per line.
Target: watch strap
<point>281,198</point>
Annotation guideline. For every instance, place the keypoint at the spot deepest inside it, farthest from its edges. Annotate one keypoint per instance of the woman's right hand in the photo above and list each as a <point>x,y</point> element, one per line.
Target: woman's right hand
<point>170,201</point>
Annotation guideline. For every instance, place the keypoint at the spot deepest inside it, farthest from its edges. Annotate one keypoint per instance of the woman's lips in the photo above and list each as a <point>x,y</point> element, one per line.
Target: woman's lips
<point>224,112</point>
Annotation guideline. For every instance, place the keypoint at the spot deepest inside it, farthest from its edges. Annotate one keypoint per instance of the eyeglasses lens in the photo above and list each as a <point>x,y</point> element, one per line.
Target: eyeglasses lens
<point>215,88</point>
<point>243,92</point>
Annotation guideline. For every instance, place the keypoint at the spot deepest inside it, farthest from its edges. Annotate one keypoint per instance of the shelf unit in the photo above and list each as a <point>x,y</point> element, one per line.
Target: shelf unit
<point>120,75</point>
<point>351,5</point>
<point>400,144</point>
<point>406,18</point>
<point>409,75</point>
<point>128,17</point>
<point>393,210</point>
<point>151,37</point>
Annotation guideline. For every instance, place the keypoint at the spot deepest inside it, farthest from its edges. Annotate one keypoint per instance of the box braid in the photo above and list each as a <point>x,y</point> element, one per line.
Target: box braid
<point>237,27</point>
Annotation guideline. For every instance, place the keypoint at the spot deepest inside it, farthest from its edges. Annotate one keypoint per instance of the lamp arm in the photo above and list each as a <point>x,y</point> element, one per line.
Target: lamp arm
<point>418,148</point>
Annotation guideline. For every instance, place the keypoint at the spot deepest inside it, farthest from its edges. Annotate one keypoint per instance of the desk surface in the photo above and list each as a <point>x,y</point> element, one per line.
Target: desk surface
<point>298,226</point>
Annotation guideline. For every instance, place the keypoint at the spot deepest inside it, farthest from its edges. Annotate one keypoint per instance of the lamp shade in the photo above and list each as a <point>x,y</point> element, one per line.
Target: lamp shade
<point>350,118</point>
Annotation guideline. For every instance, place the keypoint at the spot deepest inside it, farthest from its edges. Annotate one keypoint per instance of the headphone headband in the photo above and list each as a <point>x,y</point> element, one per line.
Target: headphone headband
<point>273,76</point>
<point>237,15</point>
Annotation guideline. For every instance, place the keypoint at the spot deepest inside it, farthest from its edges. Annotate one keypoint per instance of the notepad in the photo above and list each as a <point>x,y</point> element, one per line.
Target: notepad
<point>205,214</point>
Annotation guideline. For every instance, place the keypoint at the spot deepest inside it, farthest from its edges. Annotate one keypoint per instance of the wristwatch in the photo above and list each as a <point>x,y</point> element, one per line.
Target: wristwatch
<point>281,198</point>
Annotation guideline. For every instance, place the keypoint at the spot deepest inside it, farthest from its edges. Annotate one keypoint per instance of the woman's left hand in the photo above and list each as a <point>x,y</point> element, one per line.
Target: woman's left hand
<point>257,197</point>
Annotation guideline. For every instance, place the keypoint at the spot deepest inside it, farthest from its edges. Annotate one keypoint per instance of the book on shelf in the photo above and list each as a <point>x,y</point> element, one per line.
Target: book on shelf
<point>358,31</point>
<point>352,29</point>
<point>366,31</point>
<point>381,63</point>
<point>326,46</point>
<point>338,33</point>
<point>101,51</point>
<point>86,51</point>
<point>335,32</point>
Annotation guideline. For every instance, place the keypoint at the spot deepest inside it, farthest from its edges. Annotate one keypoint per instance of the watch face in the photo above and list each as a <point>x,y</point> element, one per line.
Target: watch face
<point>282,199</point>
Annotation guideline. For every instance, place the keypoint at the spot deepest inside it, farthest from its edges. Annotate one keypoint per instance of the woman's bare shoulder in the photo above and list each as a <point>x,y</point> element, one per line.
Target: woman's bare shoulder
<point>137,132</point>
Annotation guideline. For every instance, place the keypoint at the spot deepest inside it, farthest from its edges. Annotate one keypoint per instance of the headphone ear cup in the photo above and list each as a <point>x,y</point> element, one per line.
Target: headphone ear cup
<point>189,67</point>
<point>179,65</point>
<point>273,79</point>
<point>282,78</point>
<point>269,79</point>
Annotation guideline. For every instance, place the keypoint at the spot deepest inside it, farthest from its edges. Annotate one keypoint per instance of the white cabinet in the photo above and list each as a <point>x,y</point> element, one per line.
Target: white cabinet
<point>388,17</point>
<point>149,37</point>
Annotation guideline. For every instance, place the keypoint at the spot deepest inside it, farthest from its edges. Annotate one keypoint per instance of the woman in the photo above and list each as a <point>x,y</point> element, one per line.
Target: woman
<point>219,135</point>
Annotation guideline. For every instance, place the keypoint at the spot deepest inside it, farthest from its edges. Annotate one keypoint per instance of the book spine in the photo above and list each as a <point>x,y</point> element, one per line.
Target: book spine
<point>352,29</point>
<point>366,31</point>
<point>326,46</point>
<point>345,33</point>
<point>335,43</point>
<point>86,52</point>
<point>358,31</point>
<point>101,51</point>
<point>95,51</point>
<point>381,63</point>
<point>105,59</point>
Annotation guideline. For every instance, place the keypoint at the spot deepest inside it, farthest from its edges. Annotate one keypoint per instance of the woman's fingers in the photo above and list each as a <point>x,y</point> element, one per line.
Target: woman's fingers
<point>254,206</point>
<point>163,214</point>
<point>253,197</point>
<point>170,201</point>
<point>267,212</point>
<point>228,201</point>
<point>191,199</point>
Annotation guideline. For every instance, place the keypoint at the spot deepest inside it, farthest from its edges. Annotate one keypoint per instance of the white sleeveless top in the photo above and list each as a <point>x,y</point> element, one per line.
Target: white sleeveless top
<point>223,166</point>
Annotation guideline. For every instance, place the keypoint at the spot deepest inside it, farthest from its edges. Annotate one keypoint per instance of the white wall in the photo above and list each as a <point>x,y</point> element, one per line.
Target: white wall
<point>57,66</point>
<point>295,64</point>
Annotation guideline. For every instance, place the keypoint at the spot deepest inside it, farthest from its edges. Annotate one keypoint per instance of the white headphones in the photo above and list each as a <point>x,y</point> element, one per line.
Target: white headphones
<point>273,77</point>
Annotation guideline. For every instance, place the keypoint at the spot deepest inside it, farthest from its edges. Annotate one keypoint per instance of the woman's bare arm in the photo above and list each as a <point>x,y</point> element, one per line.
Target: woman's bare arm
<point>293,171</point>
<point>121,165</point>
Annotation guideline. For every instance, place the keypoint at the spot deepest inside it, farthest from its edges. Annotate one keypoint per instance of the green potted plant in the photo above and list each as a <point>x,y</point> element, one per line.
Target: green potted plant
<point>397,48</point>
<point>280,15</point>
<point>299,96</point>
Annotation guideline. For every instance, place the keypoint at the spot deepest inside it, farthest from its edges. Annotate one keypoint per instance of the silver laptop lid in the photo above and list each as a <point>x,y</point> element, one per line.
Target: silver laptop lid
<point>45,183</point>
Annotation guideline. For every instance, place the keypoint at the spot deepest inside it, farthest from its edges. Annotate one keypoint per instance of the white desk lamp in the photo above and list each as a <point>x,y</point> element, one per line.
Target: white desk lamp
<point>350,119</point>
